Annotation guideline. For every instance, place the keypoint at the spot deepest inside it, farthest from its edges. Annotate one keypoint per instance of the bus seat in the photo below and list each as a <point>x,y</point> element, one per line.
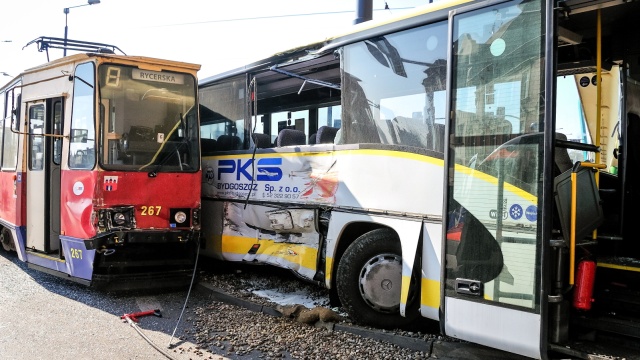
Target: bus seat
<point>590,216</point>
<point>561,158</point>
<point>287,137</point>
<point>326,134</point>
<point>312,139</point>
<point>208,146</point>
<point>262,141</point>
<point>228,142</point>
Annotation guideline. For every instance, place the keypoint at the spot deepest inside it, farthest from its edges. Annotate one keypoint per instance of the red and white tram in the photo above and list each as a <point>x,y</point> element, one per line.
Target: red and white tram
<point>100,169</point>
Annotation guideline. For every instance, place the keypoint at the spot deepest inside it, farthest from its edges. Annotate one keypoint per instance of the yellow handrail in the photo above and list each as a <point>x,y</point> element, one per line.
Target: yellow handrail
<point>574,206</point>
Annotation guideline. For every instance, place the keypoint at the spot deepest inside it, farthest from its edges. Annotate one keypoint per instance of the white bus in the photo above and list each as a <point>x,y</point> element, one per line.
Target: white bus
<point>417,167</point>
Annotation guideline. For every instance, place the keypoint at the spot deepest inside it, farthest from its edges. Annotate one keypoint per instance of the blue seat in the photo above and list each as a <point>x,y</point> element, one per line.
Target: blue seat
<point>262,141</point>
<point>326,134</point>
<point>228,142</point>
<point>288,137</point>
<point>208,146</point>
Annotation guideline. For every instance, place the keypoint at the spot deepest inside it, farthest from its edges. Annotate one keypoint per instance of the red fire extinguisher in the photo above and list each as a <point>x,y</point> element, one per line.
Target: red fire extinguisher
<point>585,279</point>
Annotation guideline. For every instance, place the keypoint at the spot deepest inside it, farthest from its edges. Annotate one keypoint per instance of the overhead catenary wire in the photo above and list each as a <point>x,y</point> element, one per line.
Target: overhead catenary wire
<point>274,17</point>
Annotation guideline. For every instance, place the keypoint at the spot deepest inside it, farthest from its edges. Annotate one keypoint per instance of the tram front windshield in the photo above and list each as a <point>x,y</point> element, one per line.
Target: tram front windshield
<point>148,120</point>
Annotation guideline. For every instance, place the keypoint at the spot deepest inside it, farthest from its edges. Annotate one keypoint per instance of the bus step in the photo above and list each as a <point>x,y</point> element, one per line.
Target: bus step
<point>610,237</point>
<point>620,263</point>
<point>622,326</point>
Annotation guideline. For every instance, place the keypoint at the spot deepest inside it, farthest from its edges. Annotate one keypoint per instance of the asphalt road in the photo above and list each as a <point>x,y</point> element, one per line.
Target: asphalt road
<point>45,317</point>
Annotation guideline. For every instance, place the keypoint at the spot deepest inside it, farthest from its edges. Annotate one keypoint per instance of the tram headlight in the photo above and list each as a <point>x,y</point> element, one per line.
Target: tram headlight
<point>119,219</point>
<point>180,217</point>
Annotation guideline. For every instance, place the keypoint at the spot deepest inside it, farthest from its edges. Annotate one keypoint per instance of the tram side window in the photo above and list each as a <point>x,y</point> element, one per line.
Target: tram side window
<point>10,143</point>
<point>3,112</point>
<point>82,139</point>
<point>57,130</point>
<point>36,139</point>
<point>394,91</point>
<point>222,114</point>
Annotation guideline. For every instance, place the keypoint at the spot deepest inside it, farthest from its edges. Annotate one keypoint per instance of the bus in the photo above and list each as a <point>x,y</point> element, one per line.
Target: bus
<point>470,162</point>
<point>100,168</point>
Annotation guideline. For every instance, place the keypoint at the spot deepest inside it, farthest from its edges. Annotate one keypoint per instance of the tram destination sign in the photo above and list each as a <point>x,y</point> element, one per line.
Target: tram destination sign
<point>157,76</point>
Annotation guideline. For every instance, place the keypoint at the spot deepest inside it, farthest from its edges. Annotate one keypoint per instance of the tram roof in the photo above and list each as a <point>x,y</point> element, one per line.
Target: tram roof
<point>117,58</point>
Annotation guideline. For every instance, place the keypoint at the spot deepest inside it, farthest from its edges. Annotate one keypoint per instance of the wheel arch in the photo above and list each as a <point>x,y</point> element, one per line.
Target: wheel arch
<point>345,228</point>
<point>348,234</point>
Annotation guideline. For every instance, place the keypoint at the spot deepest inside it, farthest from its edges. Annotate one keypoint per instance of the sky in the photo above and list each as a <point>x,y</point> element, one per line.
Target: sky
<point>219,35</point>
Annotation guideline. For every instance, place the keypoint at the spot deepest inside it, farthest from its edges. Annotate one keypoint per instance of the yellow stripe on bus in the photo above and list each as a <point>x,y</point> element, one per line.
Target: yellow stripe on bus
<point>430,293</point>
<point>328,271</point>
<point>296,253</point>
<point>404,295</point>
<point>339,153</point>
<point>493,180</point>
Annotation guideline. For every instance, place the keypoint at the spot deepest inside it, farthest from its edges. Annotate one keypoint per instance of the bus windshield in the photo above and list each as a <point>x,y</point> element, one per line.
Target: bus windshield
<point>148,120</point>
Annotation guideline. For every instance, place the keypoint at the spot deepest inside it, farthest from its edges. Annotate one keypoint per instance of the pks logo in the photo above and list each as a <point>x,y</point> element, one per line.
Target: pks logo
<point>267,169</point>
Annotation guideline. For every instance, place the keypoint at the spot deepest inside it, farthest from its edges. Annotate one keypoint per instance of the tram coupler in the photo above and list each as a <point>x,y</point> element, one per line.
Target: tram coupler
<point>134,316</point>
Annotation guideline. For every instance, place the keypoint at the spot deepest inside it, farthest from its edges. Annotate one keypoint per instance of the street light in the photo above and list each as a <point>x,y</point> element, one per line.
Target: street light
<point>4,73</point>
<point>66,12</point>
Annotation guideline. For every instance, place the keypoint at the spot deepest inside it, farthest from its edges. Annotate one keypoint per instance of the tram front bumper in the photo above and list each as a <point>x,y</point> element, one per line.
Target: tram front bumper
<point>128,260</point>
<point>166,280</point>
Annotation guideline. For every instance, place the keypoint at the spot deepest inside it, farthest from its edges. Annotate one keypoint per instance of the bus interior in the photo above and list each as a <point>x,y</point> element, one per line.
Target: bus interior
<point>598,36</point>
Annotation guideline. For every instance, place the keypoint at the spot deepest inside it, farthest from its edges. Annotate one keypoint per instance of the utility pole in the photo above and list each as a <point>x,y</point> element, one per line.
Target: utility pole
<point>364,11</point>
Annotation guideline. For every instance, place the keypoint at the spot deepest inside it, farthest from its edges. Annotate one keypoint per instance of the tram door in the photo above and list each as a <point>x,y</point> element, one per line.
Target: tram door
<point>43,174</point>
<point>492,283</point>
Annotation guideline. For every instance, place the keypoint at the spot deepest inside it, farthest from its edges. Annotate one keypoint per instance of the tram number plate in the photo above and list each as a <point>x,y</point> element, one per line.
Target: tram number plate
<point>150,210</point>
<point>76,253</point>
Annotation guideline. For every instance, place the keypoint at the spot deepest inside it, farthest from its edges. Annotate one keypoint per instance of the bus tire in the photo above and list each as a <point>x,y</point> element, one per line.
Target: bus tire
<point>369,278</point>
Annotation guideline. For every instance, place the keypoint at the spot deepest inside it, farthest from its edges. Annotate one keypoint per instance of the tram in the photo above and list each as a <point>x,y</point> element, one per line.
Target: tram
<point>100,167</point>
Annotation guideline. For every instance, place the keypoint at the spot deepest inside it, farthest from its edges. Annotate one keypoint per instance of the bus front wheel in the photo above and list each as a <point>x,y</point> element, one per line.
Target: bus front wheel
<point>369,278</point>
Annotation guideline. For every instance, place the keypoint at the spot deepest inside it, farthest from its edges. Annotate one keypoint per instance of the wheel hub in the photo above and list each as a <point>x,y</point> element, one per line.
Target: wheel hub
<point>380,282</point>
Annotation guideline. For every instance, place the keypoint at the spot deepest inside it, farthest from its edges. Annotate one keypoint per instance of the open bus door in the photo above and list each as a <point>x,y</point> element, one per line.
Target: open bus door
<point>494,159</point>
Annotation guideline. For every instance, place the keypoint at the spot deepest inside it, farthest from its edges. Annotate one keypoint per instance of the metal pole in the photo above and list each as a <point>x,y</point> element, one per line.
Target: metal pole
<point>364,11</point>
<point>66,28</point>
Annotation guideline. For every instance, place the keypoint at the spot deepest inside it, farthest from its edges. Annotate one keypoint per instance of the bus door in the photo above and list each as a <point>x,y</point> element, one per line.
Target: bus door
<point>492,276</point>
<point>44,153</point>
